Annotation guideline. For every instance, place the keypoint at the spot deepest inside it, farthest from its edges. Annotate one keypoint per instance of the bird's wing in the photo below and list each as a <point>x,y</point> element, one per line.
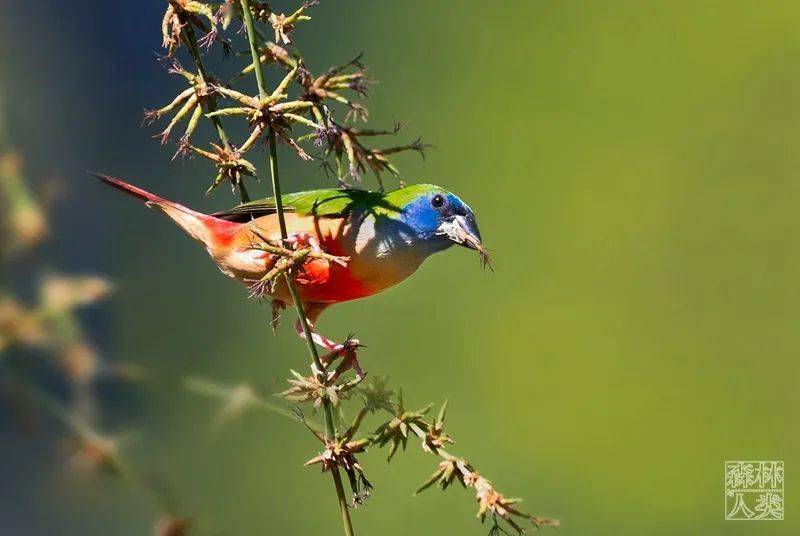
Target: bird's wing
<point>318,203</point>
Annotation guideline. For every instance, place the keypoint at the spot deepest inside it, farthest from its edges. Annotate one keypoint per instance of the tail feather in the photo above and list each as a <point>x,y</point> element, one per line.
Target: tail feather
<point>211,231</point>
<point>129,189</point>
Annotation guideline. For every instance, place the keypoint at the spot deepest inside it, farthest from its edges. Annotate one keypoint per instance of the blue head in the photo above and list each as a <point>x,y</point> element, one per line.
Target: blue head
<point>437,218</point>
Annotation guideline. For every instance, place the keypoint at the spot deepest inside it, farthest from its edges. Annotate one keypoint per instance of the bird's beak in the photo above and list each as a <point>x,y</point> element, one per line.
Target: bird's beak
<point>464,232</point>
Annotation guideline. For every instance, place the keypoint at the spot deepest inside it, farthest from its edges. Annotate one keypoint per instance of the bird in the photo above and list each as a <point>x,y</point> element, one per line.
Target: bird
<point>361,242</point>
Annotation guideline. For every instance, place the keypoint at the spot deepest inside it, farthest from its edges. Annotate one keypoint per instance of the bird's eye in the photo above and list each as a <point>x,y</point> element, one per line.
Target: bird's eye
<point>437,201</point>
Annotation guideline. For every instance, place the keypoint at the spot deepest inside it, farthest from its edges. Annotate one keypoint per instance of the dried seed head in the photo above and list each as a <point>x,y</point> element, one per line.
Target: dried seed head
<point>180,19</point>
<point>310,389</point>
<point>356,111</point>
<point>315,390</point>
<point>341,454</point>
<point>283,24</point>
<point>435,436</point>
<point>346,143</point>
<point>448,471</point>
<point>395,432</point>
<point>230,166</point>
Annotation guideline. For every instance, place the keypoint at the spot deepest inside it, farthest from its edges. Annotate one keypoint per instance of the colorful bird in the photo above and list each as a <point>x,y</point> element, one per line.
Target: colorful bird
<point>362,242</point>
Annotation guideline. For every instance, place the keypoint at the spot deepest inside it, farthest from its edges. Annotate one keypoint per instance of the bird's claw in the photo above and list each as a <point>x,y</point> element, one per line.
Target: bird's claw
<point>347,351</point>
<point>350,343</point>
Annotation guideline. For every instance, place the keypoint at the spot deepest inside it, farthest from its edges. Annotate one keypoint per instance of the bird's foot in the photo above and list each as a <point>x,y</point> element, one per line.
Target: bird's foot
<point>347,352</point>
<point>340,349</point>
<point>303,240</point>
<point>300,241</point>
<point>318,339</point>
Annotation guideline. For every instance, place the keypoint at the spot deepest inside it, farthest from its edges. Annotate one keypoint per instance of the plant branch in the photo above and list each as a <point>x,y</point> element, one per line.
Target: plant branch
<point>211,101</point>
<point>330,432</point>
<point>403,424</point>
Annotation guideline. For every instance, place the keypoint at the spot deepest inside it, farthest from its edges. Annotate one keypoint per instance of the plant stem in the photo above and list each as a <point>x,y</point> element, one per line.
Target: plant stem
<point>251,39</point>
<point>343,508</point>
<point>276,190</point>
<point>211,101</point>
<point>330,432</point>
<point>194,50</point>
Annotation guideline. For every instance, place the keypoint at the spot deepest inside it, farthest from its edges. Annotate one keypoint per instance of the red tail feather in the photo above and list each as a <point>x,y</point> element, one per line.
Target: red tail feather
<point>211,231</point>
<point>129,189</point>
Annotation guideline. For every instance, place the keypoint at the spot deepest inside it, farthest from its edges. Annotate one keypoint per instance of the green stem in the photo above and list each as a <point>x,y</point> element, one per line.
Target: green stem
<point>330,432</point>
<point>276,190</point>
<point>211,100</point>
<point>343,507</point>
<point>251,39</point>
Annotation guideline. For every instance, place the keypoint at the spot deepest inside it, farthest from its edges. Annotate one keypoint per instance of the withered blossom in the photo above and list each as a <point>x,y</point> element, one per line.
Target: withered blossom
<point>345,143</point>
<point>189,103</point>
<point>449,470</point>
<point>435,436</point>
<point>490,501</point>
<point>328,86</point>
<point>316,390</point>
<point>340,453</point>
<point>181,16</point>
<point>230,165</point>
<point>311,389</point>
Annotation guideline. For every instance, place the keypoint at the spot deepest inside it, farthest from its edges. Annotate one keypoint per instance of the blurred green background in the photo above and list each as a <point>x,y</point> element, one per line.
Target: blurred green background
<point>633,165</point>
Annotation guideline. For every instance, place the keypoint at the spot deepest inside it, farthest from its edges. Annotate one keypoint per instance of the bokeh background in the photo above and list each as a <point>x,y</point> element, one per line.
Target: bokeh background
<point>634,167</point>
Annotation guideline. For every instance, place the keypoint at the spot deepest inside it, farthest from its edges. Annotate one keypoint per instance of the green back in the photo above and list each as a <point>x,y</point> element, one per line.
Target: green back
<point>331,203</point>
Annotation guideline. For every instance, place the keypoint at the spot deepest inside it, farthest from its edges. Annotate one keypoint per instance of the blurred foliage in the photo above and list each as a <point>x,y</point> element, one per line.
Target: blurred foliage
<point>633,168</point>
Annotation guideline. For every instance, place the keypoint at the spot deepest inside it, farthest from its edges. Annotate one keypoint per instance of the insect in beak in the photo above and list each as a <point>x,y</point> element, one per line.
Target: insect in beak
<point>464,232</point>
